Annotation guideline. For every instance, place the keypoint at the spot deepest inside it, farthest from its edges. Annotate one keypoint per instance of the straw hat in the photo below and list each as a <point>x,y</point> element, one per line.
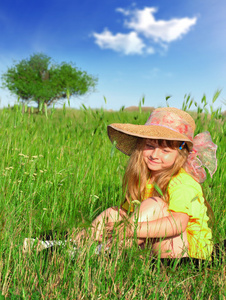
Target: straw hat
<point>166,123</point>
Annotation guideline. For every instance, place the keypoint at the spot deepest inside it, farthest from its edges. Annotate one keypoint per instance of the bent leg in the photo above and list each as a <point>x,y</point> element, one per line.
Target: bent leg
<point>103,220</point>
<point>155,208</point>
<point>110,215</point>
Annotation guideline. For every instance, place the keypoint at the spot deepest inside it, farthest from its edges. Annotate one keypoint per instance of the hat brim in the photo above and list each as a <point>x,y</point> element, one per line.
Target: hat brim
<point>126,135</point>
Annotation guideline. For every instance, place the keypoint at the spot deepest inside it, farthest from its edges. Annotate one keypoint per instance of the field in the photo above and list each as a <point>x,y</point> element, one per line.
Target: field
<point>58,171</point>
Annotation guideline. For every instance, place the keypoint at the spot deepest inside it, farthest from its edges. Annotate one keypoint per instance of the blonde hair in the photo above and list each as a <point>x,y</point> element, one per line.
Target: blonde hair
<point>137,172</point>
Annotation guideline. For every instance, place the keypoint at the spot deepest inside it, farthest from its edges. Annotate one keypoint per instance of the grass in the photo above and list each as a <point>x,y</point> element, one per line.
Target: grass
<point>58,171</point>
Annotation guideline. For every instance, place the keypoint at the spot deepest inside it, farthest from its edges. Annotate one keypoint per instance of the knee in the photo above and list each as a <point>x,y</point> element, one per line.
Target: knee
<point>154,203</point>
<point>152,209</point>
<point>111,214</point>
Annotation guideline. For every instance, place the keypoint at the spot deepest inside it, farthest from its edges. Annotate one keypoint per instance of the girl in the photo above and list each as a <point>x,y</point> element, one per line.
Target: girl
<point>164,173</point>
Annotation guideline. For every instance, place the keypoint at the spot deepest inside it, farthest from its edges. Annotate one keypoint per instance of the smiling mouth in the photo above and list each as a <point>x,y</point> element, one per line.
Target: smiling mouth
<point>152,161</point>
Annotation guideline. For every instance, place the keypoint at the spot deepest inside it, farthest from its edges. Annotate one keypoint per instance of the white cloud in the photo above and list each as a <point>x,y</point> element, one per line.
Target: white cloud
<point>126,43</point>
<point>150,50</point>
<point>123,11</point>
<point>143,22</point>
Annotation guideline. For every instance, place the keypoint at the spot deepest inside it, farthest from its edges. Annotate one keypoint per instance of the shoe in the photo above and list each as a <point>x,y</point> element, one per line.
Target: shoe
<point>31,244</point>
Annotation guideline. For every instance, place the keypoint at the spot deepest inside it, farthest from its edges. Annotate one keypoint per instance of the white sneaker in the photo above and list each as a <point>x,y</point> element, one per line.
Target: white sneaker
<point>32,244</point>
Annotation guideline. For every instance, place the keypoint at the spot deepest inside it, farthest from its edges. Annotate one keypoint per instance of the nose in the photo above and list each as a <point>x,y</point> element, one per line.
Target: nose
<point>155,153</point>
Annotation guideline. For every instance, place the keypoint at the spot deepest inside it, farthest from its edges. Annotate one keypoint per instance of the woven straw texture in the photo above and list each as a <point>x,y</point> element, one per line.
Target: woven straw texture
<point>126,135</point>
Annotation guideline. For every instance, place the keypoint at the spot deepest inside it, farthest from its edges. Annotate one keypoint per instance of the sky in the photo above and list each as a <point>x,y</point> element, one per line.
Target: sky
<point>146,48</point>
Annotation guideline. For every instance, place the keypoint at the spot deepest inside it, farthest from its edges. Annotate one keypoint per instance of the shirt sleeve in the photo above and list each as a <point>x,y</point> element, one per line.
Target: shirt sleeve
<point>182,198</point>
<point>129,207</point>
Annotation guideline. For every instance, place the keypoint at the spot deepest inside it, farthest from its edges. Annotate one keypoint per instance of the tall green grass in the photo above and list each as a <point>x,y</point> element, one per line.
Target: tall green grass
<point>58,171</point>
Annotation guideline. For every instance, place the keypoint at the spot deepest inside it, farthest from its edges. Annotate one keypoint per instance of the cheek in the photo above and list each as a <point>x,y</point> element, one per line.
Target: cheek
<point>170,158</point>
<point>145,153</point>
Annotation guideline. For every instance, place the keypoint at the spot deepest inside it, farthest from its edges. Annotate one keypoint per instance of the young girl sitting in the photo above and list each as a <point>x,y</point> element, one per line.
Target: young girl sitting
<point>164,173</point>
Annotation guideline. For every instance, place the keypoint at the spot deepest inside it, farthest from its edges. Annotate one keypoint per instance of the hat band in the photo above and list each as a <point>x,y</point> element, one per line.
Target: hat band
<point>164,127</point>
<point>171,121</point>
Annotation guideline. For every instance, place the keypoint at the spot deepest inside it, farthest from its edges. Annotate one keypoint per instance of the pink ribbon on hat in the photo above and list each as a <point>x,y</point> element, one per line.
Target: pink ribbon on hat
<point>202,154</point>
<point>171,121</point>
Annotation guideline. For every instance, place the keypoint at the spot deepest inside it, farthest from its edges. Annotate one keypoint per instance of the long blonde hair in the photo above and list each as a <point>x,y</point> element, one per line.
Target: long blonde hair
<point>137,172</point>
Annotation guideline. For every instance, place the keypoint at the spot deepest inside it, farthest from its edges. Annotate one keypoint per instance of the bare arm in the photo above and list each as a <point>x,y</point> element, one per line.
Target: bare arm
<point>170,226</point>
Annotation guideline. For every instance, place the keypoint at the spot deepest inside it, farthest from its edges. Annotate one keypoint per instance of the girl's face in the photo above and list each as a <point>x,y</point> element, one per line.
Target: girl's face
<point>158,158</point>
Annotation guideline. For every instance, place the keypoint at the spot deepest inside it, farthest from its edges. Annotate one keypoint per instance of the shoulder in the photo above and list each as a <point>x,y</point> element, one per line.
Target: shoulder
<point>185,194</point>
<point>184,181</point>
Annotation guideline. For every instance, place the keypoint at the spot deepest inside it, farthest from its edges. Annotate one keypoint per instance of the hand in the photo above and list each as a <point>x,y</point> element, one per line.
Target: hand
<point>119,233</point>
<point>109,227</point>
<point>122,229</point>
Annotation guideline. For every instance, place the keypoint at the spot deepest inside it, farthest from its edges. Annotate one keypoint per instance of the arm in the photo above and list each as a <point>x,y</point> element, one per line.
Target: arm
<point>170,226</point>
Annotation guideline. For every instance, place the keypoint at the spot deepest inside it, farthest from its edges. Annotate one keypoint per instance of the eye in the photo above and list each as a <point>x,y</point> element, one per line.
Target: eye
<point>166,150</point>
<point>150,146</point>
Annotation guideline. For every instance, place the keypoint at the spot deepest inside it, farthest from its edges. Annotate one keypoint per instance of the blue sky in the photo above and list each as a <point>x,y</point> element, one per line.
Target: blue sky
<point>146,48</point>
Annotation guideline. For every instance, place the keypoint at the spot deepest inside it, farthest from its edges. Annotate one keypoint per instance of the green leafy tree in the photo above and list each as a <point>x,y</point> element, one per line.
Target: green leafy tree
<point>38,79</point>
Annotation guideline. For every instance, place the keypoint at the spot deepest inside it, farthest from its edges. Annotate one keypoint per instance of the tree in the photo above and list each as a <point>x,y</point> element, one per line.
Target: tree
<point>37,79</point>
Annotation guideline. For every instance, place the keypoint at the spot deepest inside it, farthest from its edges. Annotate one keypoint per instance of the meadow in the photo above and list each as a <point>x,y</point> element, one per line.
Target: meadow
<point>58,170</point>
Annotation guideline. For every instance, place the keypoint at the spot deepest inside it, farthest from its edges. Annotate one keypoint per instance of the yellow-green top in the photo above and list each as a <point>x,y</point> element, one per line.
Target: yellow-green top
<point>186,196</point>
